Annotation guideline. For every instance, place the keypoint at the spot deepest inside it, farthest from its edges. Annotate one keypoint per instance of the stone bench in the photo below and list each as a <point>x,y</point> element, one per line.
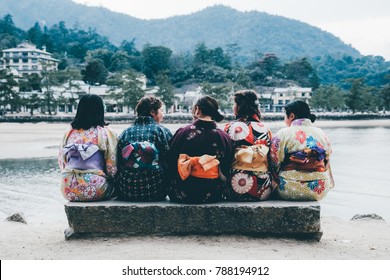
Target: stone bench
<point>269,218</point>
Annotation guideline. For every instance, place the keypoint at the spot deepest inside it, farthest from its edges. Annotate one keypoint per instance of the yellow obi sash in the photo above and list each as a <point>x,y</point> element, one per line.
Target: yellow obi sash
<point>251,158</point>
<point>205,166</point>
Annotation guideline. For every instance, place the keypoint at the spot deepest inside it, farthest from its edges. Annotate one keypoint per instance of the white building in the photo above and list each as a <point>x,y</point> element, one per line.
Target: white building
<point>282,96</point>
<point>27,59</point>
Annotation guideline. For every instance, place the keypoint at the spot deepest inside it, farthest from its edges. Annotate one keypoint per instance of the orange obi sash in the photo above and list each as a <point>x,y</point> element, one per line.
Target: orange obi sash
<point>251,158</point>
<point>205,166</point>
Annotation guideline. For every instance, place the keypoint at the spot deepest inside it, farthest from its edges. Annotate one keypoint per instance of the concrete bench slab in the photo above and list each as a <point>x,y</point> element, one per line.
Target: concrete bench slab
<point>267,218</point>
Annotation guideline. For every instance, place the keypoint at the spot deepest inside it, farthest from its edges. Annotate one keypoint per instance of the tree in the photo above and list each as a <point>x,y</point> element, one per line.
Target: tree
<point>165,90</point>
<point>222,93</point>
<point>354,98</point>
<point>49,80</point>
<point>103,55</point>
<point>8,94</point>
<point>219,58</point>
<point>34,35</point>
<point>115,82</point>
<point>156,59</point>
<point>269,64</point>
<point>120,61</point>
<point>328,98</point>
<point>33,82</point>
<point>129,48</point>
<point>95,72</point>
<point>202,54</point>
<point>33,102</point>
<point>385,98</point>
<point>47,40</point>
<point>210,73</point>
<point>302,72</point>
<point>126,88</point>
<point>69,76</point>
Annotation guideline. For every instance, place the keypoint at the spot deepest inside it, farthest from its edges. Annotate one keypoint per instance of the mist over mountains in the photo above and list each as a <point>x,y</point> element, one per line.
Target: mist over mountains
<point>247,34</point>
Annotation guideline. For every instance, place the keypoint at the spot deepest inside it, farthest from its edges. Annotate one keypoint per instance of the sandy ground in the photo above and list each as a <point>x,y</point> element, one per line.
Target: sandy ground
<point>342,239</point>
<point>346,240</point>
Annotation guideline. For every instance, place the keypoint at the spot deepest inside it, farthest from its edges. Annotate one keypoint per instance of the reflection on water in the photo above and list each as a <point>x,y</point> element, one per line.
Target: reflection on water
<point>31,186</point>
<point>359,163</point>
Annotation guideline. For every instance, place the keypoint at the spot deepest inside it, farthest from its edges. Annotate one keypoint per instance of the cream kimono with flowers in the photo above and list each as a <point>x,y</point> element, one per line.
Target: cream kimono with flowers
<point>297,184</point>
<point>83,181</point>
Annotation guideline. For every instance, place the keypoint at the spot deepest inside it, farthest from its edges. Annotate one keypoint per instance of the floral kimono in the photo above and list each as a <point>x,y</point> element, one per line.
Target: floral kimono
<point>250,178</point>
<point>199,159</point>
<point>87,160</point>
<point>300,155</point>
<point>141,161</point>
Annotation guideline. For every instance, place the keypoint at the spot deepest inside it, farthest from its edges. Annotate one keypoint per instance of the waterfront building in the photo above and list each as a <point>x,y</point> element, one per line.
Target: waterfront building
<point>27,59</point>
<point>281,96</point>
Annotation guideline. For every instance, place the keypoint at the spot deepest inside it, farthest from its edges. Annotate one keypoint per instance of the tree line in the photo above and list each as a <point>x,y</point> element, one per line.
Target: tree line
<point>342,83</point>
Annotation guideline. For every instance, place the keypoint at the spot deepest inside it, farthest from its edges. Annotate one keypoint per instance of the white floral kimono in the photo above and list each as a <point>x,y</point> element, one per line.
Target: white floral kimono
<point>300,157</point>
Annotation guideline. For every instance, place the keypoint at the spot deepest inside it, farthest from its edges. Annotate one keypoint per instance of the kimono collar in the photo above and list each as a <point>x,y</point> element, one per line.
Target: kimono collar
<point>142,120</point>
<point>205,124</point>
<point>253,118</point>
<point>301,122</point>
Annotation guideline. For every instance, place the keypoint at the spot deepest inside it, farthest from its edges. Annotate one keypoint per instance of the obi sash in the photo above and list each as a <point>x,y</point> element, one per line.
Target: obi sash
<point>205,166</point>
<point>141,155</point>
<point>251,158</point>
<point>84,157</point>
<point>310,160</point>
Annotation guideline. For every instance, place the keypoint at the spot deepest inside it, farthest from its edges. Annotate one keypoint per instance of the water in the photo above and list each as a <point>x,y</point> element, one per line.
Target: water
<point>359,163</point>
<point>31,186</point>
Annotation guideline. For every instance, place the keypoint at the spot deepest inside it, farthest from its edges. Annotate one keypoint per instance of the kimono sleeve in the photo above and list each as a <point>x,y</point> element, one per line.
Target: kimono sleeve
<point>277,151</point>
<point>61,156</point>
<point>110,155</point>
<point>175,147</point>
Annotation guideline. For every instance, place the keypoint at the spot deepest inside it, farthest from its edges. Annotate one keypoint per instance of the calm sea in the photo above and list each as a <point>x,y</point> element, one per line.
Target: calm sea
<point>360,164</point>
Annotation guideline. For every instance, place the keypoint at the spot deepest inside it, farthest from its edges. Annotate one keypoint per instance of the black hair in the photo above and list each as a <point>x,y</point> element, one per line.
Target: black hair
<point>90,112</point>
<point>147,104</point>
<point>247,104</point>
<point>209,107</point>
<point>300,109</point>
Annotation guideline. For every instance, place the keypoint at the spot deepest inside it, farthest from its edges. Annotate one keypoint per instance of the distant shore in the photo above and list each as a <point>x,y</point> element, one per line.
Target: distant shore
<point>180,117</point>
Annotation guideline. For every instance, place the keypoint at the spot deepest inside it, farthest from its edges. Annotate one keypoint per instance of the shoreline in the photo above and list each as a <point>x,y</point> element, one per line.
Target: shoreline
<point>42,139</point>
<point>184,117</point>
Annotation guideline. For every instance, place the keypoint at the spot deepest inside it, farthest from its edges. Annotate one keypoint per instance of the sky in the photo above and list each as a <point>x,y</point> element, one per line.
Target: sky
<point>364,24</point>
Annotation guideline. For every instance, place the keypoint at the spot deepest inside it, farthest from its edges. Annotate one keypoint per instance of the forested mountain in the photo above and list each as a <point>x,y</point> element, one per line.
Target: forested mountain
<point>245,35</point>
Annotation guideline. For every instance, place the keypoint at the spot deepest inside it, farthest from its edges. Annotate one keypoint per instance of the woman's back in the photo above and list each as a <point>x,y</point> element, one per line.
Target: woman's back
<point>300,156</point>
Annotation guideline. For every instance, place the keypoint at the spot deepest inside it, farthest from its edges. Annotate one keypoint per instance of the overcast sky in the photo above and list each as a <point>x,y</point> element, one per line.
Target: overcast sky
<point>365,24</point>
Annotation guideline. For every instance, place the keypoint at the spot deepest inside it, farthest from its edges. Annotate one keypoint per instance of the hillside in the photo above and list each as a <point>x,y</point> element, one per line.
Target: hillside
<point>249,32</point>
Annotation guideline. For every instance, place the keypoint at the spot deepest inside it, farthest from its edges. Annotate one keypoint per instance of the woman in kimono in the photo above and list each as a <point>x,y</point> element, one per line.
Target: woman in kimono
<point>300,155</point>
<point>200,156</point>
<point>87,156</point>
<point>250,177</point>
<point>142,148</point>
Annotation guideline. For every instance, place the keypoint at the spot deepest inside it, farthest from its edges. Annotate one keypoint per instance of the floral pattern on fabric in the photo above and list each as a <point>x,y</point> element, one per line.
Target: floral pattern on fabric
<point>91,184</point>
<point>300,185</point>
<point>247,184</point>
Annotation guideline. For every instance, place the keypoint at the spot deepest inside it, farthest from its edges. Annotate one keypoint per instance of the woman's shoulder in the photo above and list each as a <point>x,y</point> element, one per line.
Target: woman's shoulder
<point>284,131</point>
<point>105,129</point>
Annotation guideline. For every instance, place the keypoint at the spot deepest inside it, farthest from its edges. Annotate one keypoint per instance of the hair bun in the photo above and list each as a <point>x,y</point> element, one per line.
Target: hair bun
<point>313,118</point>
<point>218,116</point>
